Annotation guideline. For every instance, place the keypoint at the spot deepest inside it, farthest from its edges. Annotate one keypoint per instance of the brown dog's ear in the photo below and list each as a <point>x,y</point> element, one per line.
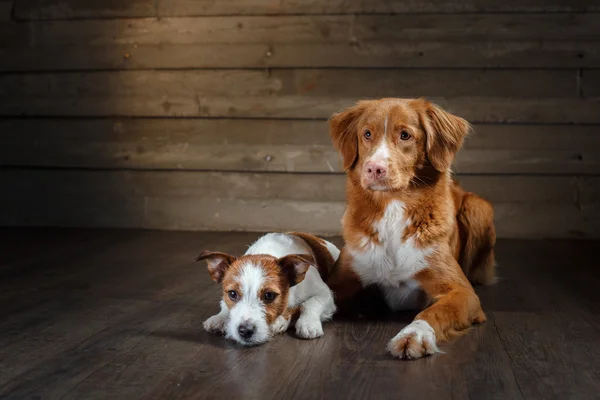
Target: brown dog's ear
<point>342,128</point>
<point>445,134</point>
<point>294,267</point>
<point>217,263</point>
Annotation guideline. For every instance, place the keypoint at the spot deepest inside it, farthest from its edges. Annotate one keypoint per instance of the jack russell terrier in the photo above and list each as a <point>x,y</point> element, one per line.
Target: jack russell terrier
<point>280,278</point>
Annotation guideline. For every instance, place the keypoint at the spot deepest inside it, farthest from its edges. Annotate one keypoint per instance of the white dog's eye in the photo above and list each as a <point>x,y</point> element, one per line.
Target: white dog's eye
<point>233,295</point>
<point>270,296</point>
<point>404,135</point>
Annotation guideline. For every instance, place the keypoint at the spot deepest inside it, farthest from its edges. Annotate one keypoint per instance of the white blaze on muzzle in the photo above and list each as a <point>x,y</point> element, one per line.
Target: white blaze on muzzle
<point>247,318</point>
<point>382,152</point>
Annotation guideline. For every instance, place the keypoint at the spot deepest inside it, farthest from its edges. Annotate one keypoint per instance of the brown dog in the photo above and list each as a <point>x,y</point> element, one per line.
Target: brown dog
<point>408,227</point>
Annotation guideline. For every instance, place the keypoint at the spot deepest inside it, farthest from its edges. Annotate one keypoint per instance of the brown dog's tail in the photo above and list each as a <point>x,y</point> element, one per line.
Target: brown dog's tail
<point>323,256</point>
<point>475,219</point>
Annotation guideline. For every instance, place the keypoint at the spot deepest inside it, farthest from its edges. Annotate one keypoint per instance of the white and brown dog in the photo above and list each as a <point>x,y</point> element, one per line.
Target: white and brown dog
<point>408,227</point>
<point>280,278</point>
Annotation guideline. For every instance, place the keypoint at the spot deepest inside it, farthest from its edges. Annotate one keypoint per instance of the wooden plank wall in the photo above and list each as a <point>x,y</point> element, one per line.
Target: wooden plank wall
<point>196,114</point>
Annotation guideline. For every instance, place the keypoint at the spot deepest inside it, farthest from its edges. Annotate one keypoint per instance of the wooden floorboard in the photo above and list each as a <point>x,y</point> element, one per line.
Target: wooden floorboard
<point>96,314</point>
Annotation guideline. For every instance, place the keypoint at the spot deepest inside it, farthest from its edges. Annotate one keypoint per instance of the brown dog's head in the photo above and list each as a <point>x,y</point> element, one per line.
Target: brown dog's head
<point>387,143</point>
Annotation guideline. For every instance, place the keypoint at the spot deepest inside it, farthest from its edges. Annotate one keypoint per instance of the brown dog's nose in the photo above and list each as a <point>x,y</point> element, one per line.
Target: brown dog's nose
<point>375,171</point>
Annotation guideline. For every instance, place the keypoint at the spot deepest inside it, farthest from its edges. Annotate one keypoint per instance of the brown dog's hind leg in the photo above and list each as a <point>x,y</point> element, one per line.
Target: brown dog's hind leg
<point>476,222</point>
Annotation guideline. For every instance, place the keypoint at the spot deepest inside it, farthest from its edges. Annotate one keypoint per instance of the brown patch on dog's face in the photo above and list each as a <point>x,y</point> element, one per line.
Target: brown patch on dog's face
<point>267,285</point>
<point>389,144</point>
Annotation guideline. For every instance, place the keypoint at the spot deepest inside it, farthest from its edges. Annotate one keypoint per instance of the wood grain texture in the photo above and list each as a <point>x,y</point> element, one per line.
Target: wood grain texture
<point>295,93</point>
<point>202,7</point>
<point>117,320</point>
<point>455,40</point>
<point>272,145</point>
<point>534,352</point>
<point>312,29</point>
<point>476,109</point>
<point>67,9</point>
<point>432,54</point>
<point>305,83</point>
<point>246,86</point>
<point>527,206</point>
<point>114,319</point>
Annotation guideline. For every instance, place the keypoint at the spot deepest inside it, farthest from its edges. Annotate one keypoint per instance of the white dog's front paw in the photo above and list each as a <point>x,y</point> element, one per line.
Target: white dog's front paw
<point>216,324</point>
<point>309,329</point>
<point>414,341</point>
<point>280,325</point>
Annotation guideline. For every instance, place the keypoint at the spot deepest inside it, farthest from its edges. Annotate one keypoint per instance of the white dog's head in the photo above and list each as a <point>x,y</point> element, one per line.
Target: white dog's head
<point>255,289</point>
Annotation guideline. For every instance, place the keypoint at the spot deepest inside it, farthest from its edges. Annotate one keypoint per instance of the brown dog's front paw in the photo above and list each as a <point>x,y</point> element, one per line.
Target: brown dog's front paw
<point>414,341</point>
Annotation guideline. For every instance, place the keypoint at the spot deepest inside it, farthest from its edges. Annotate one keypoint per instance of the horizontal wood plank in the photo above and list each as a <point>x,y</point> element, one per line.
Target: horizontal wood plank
<point>471,40</point>
<point>277,186</point>
<point>272,145</point>
<point>480,95</point>
<point>205,7</point>
<point>365,83</point>
<point>314,29</point>
<point>525,206</point>
<point>393,55</point>
<point>66,9</point>
<point>476,109</point>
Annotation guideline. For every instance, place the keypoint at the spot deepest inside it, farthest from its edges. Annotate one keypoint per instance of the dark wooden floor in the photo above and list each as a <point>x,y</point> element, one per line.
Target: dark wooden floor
<point>108,314</point>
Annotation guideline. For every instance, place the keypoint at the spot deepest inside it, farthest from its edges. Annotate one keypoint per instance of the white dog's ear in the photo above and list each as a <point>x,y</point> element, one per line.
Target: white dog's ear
<point>217,263</point>
<point>342,128</point>
<point>294,267</point>
<point>445,133</point>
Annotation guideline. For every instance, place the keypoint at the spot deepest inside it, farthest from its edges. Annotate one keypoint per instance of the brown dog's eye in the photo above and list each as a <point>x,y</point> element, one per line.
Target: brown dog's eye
<point>270,296</point>
<point>368,134</point>
<point>233,295</point>
<point>404,135</point>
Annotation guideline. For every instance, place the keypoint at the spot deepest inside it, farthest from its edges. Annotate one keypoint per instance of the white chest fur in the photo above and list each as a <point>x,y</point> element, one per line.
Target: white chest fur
<point>392,259</point>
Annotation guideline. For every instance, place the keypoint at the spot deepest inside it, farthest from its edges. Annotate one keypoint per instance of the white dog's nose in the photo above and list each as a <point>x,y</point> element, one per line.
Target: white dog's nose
<point>246,330</point>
